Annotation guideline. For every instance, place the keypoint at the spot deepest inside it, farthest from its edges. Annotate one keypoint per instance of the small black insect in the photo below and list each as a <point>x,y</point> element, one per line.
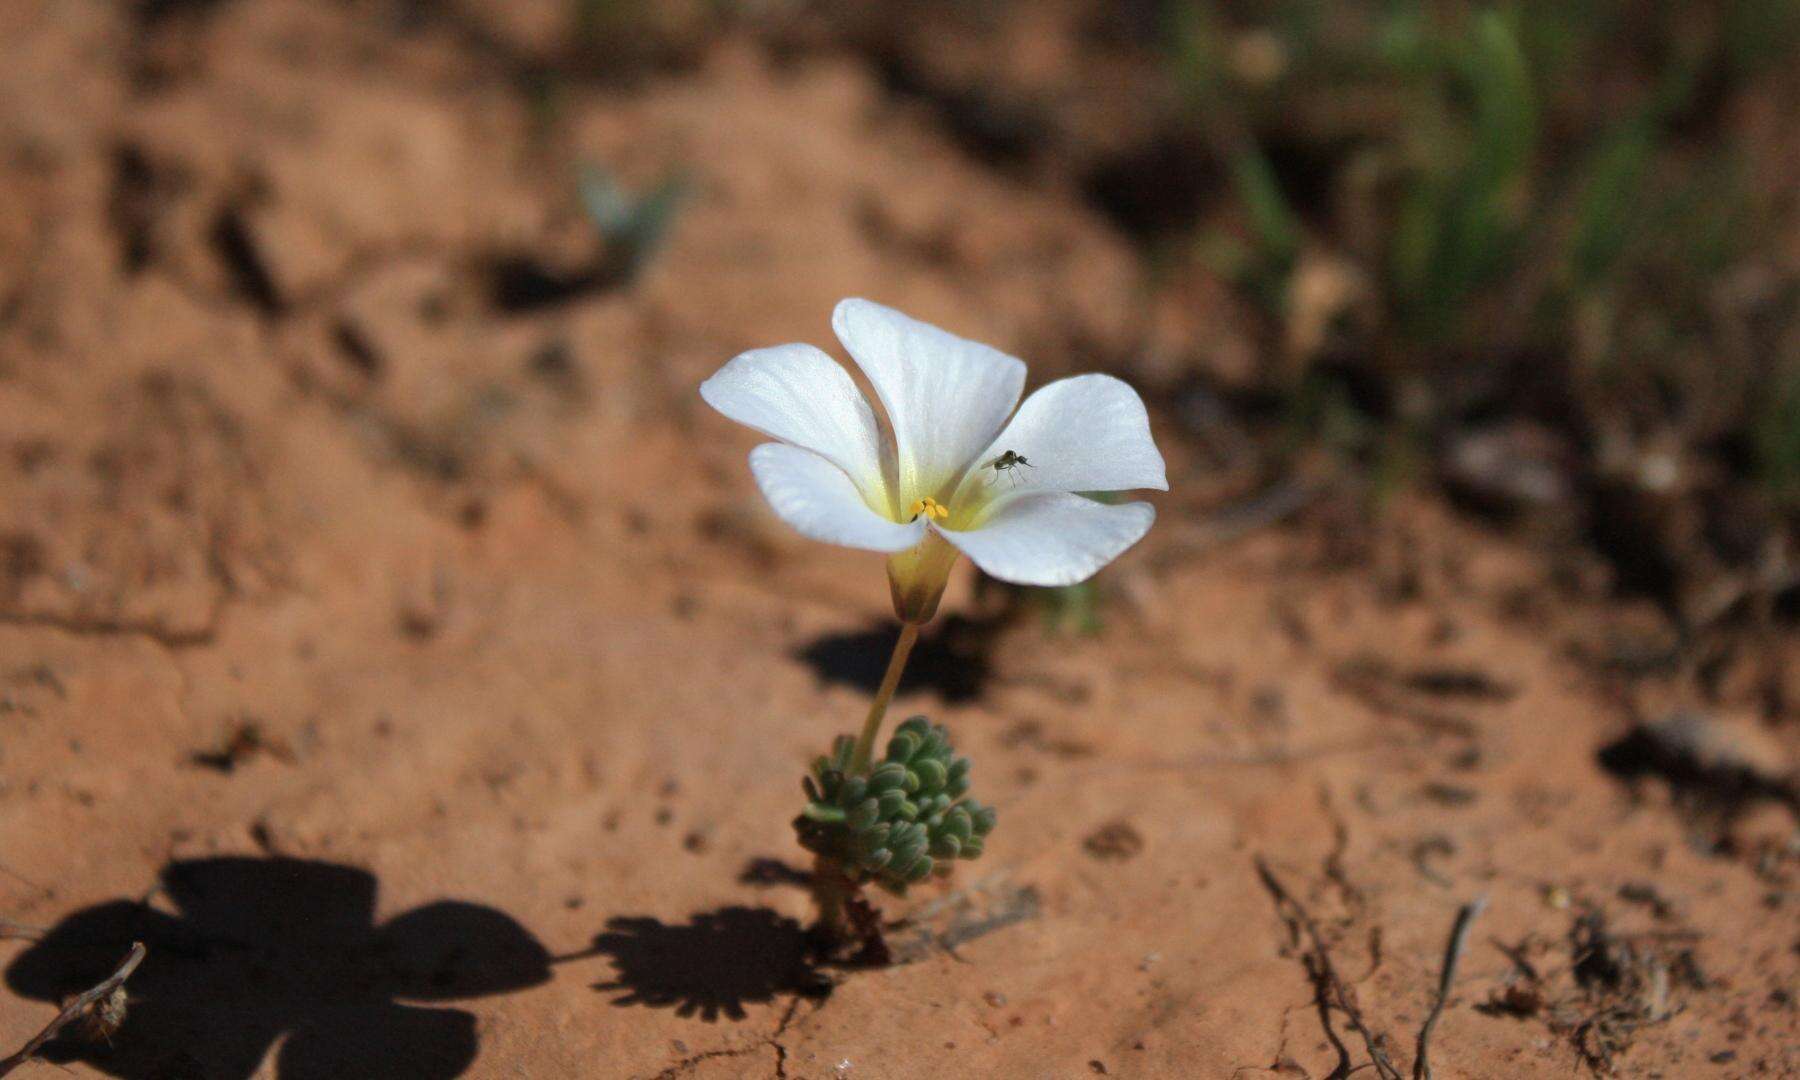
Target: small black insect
<point>1006,462</point>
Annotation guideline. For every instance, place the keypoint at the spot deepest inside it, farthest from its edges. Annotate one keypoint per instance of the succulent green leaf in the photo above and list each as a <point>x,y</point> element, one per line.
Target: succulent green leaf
<point>900,822</point>
<point>902,746</point>
<point>887,777</point>
<point>863,815</point>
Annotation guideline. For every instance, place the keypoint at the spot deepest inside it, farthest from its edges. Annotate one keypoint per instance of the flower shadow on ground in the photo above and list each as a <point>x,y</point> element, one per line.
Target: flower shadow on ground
<point>710,966</point>
<point>262,948</point>
<point>954,661</point>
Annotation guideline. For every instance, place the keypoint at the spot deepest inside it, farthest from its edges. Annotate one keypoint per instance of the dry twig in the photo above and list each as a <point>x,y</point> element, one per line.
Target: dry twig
<point>85,1005</point>
<point>1459,937</point>
<point>1328,985</point>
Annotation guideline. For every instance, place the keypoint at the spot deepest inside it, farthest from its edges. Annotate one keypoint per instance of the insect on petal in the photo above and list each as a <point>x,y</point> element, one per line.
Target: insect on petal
<point>1087,433</point>
<point>945,396</point>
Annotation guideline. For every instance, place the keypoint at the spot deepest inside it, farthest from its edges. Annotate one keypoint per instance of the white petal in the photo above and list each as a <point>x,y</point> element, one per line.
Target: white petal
<point>799,395</point>
<point>1052,538</point>
<point>821,502</point>
<point>1088,433</point>
<point>945,396</point>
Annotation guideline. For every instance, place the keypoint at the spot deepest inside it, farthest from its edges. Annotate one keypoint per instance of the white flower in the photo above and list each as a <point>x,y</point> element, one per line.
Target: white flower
<point>951,473</point>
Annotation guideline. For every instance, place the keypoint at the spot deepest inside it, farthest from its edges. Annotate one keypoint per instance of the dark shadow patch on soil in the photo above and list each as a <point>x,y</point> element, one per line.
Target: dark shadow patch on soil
<point>520,283</point>
<point>710,966</point>
<point>997,131</point>
<point>1708,770</point>
<point>1626,529</point>
<point>153,14</point>
<point>1156,189</point>
<point>955,662</point>
<point>766,872</point>
<point>251,278</point>
<point>261,948</point>
<point>139,186</point>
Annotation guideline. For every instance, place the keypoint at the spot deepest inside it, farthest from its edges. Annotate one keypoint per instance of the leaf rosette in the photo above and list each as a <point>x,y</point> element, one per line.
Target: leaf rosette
<point>901,822</point>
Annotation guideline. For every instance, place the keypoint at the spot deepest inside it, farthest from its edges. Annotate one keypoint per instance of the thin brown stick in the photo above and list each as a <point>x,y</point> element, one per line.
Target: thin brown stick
<point>1459,938</point>
<point>1328,984</point>
<point>76,1009</point>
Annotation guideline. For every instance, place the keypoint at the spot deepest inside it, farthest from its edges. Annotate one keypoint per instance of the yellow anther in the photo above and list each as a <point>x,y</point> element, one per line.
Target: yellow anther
<point>930,507</point>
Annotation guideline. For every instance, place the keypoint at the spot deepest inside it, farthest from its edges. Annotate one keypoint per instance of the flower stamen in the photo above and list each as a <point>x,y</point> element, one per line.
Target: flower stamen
<point>930,507</point>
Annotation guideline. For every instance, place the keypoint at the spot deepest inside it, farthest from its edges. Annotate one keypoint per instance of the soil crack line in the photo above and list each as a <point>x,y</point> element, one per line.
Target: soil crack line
<point>1329,989</point>
<point>154,632</point>
<point>772,1040</point>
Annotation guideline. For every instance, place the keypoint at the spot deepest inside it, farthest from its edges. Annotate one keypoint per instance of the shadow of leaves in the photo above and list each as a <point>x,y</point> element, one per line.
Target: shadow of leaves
<point>710,966</point>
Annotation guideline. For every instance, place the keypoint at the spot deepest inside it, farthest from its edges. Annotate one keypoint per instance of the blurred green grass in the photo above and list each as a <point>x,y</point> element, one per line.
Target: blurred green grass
<point>1493,161</point>
<point>1565,185</point>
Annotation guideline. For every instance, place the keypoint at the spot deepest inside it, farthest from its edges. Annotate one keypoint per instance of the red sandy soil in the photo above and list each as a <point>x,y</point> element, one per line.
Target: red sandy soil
<point>399,597</point>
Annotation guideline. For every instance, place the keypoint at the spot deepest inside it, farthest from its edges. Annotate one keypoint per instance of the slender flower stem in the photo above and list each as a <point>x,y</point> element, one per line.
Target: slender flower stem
<point>865,743</point>
<point>832,890</point>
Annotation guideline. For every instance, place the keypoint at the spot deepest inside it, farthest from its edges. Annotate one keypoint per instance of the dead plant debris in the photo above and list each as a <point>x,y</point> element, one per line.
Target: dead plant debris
<point>98,1011</point>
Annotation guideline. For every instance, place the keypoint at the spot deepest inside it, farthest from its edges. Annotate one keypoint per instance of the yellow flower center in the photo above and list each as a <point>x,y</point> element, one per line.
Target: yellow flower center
<point>930,507</point>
